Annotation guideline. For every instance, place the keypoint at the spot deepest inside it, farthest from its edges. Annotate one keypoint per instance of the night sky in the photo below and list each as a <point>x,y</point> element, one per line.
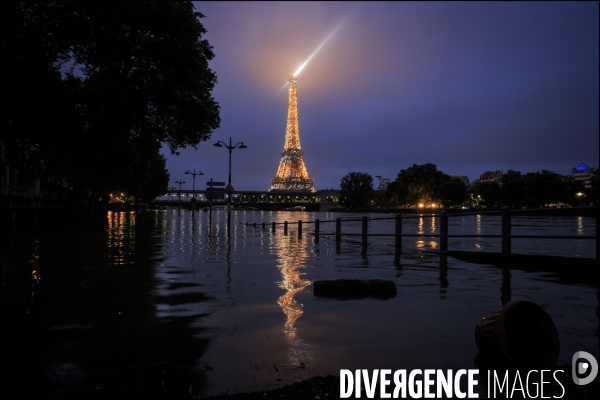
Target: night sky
<point>467,86</point>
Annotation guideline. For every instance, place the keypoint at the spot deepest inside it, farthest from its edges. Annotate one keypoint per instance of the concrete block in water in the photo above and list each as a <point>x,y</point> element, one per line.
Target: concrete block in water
<point>355,288</point>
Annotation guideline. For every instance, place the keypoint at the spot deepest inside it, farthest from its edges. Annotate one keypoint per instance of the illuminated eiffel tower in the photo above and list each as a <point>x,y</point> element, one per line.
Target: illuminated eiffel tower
<point>292,174</point>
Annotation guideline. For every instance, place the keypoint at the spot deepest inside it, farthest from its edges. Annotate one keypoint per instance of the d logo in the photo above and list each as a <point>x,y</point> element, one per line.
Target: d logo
<point>581,368</point>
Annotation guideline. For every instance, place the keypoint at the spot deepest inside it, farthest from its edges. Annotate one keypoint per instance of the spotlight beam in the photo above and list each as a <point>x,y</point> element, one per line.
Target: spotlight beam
<point>337,28</point>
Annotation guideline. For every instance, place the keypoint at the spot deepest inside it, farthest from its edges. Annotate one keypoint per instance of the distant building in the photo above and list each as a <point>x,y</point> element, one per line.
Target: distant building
<point>582,173</point>
<point>491,176</point>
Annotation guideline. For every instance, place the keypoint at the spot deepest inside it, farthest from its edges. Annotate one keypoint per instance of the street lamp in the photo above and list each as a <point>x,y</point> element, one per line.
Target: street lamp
<point>180,182</point>
<point>241,145</point>
<point>172,189</point>
<point>194,184</point>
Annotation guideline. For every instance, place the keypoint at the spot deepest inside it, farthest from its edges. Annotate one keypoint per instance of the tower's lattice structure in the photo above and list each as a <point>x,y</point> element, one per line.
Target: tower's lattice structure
<point>292,174</point>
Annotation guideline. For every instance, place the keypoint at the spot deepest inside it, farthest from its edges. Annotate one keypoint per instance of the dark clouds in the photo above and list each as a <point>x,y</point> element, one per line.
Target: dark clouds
<point>467,86</point>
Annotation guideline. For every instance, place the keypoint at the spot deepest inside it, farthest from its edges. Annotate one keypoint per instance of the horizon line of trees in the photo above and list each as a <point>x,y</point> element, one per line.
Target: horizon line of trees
<point>424,186</point>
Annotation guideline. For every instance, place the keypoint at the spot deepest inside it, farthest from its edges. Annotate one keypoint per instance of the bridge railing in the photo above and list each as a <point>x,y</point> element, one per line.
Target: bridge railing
<point>506,228</point>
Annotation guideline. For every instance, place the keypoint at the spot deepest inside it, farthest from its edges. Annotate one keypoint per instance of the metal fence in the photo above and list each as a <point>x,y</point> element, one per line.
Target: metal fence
<point>506,234</point>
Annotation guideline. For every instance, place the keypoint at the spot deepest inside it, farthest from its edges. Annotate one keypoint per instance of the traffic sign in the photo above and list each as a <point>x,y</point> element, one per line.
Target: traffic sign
<point>215,190</point>
<point>230,188</point>
<point>211,183</point>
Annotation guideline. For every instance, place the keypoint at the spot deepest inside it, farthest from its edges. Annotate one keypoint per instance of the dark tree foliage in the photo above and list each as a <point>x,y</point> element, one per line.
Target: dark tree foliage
<point>512,191</point>
<point>382,196</point>
<point>357,190</point>
<point>487,194</point>
<point>453,193</point>
<point>420,184</point>
<point>592,195</point>
<point>544,188</point>
<point>91,90</point>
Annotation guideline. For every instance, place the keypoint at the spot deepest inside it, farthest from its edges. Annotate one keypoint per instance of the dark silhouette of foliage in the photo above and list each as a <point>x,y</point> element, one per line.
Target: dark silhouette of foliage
<point>512,191</point>
<point>487,194</point>
<point>453,193</point>
<point>420,184</point>
<point>92,90</point>
<point>357,190</point>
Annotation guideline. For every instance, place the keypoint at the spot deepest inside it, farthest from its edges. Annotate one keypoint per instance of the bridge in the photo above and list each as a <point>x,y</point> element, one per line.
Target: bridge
<point>321,200</point>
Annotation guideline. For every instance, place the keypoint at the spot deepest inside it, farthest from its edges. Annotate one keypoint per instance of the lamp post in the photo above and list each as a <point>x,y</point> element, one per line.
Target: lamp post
<point>180,182</point>
<point>188,172</point>
<point>172,189</point>
<point>241,145</point>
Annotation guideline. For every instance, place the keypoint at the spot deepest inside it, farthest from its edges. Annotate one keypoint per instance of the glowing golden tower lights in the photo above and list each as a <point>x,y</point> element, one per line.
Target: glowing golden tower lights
<point>292,174</point>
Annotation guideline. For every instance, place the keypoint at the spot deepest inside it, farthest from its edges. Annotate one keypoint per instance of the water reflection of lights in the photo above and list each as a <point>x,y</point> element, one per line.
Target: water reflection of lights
<point>292,254</point>
<point>421,243</point>
<point>121,236</point>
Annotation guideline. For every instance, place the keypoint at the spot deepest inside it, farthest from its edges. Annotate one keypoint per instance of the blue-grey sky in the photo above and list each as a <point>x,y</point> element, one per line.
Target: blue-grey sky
<point>468,86</point>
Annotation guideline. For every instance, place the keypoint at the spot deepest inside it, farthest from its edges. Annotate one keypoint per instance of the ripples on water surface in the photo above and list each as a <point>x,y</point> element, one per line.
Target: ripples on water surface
<point>177,304</point>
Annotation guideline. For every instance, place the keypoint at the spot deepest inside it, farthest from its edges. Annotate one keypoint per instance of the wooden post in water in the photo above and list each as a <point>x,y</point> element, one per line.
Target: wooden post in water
<point>299,228</point>
<point>506,230</point>
<point>364,234</point>
<point>598,230</point>
<point>338,231</point>
<point>285,227</point>
<point>364,230</point>
<point>263,226</point>
<point>273,227</point>
<point>316,231</point>
<point>398,233</point>
<point>444,231</point>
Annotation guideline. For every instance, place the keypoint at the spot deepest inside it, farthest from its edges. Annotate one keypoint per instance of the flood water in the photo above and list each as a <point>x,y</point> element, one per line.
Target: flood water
<point>175,304</point>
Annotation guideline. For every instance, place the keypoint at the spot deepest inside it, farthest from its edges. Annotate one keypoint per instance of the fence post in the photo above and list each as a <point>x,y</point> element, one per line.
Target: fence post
<point>299,228</point>
<point>273,228</point>
<point>316,231</point>
<point>285,227</point>
<point>338,231</point>
<point>598,230</point>
<point>364,234</point>
<point>506,230</point>
<point>444,231</point>
<point>398,237</point>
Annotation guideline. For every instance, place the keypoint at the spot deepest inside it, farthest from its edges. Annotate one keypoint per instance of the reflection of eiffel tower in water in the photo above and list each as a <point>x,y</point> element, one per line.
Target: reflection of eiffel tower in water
<point>292,174</point>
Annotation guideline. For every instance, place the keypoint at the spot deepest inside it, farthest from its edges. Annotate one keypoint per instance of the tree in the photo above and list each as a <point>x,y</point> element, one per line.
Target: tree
<point>487,194</point>
<point>512,191</point>
<point>574,192</point>
<point>357,189</point>
<point>382,196</point>
<point>90,89</point>
<point>542,188</point>
<point>592,195</point>
<point>453,192</point>
<point>420,184</point>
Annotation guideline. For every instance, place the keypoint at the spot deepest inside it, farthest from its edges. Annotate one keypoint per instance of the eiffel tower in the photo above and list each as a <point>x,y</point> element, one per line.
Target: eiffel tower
<point>292,174</point>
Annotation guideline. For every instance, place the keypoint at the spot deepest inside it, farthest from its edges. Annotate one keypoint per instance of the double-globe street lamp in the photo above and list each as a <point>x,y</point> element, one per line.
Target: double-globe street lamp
<point>172,189</point>
<point>240,145</point>
<point>180,182</point>
<point>188,172</point>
